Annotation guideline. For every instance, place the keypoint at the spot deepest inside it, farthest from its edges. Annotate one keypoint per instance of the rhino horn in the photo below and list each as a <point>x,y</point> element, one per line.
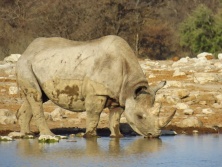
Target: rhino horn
<point>164,121</point>
<point>157,87</point>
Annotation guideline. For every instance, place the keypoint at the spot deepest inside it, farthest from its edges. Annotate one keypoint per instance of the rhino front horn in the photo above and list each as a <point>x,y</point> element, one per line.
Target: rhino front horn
<point>164,121</point>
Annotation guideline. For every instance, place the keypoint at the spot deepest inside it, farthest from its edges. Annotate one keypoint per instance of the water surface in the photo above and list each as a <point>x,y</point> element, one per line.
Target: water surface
<point>168,151</point>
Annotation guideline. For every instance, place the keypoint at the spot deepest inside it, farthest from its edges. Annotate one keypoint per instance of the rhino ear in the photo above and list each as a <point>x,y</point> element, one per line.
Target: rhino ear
<point>140,90</point>
<point>157,87</point>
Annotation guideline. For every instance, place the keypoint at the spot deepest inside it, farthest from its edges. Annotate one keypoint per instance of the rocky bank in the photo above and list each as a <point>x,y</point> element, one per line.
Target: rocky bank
<point>194,88</point>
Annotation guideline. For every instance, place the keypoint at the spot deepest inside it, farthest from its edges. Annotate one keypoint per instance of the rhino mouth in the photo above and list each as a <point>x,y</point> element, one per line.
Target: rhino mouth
<point>146,135</point>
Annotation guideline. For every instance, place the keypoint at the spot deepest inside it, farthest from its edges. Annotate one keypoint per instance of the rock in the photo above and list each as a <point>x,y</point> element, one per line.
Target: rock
<point>61,137</point>
<point>172,99</point>
<point>16,135</point>
<point>218,65</point>
<point>57,114</point>
<point>152,76</point>
<point>123,119</point>
<point>190,122</point>
<point>219,56</point>
<point>205,56</point>
<point>181,62</point>
<point>7,117</point>
<point>183,93</point>
<point>203,78</point>
<point>217,106</point>
<point>82,115</point>
<point>80,134</point>
<point>12,58</point>
<point>48,139</point>
<point>13,90</point>
<point>188,111</point>
<point>5,138</point>
<point>207,111</point>
<point>195,131</point>
<point>175,58</point>
<point>182,106</point>
<point>219,98</point>
<point>7,69</point>
<point>47,116</point>
<point>173,84</point>
<point>177,72</point>
<point>168,133</point>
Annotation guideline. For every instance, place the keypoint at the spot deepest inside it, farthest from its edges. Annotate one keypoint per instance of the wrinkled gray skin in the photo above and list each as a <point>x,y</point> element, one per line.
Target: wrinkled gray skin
<point>87,76</point>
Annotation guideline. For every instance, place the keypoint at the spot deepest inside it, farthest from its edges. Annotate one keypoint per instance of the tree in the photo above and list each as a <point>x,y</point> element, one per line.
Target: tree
<point>200,31</point>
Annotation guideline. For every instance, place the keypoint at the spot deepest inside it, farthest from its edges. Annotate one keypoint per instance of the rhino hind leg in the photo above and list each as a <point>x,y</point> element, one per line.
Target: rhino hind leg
<point>33,93</point>
<point>114,121</point>
<point>24,116</point>
<point>36,104</point>
<point>94,106</point>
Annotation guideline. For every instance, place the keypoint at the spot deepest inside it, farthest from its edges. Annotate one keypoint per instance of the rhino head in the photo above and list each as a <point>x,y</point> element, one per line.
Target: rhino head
<point>141,113</point>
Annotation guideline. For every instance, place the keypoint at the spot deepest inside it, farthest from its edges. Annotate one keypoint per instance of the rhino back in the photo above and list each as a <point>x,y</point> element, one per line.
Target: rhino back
<point>106,66</point>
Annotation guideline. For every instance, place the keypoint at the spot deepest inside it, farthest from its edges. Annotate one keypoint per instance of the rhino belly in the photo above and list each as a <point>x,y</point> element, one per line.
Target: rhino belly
<point>66,94</point>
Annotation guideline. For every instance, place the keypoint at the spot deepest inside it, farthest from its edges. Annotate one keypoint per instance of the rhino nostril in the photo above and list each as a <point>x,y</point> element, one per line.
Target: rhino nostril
<point>149,135</point>
<point>139,116</point>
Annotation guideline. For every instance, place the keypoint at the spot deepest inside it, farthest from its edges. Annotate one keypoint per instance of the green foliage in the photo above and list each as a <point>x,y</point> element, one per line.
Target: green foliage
<point>201,31</point>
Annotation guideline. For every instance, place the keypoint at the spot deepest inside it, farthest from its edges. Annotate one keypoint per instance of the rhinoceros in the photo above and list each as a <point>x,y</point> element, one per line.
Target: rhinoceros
<point>87,76</point>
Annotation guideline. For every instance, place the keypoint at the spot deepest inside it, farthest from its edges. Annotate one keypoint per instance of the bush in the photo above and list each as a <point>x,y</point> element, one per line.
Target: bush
<point>201,31</point>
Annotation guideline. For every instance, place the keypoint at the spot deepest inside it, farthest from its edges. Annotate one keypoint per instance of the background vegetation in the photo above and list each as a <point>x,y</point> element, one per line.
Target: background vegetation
<point>156,29</point>
<point>201,31</point>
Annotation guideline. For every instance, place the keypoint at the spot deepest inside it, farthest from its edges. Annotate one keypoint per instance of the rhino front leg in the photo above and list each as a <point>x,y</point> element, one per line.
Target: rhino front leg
<point>24,116</point>
<point>114,121</point>
<point>94,106</point>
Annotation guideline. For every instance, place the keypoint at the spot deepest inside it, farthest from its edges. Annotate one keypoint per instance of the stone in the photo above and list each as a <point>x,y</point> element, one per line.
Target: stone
<point>217,106</point>
<point>168,133</point>
<point>5,138</point>
<point>7,69</point>
<point>183,93</point>
<point>57,114</point>
<point>182,106</point>
<point>177,73</point>
<point>12,58</point>
<point>218,64</point>
<point>61,137</point>
<point>172,99</point>
<point>181,62</point>
<point>123,119</point>
<point>188,111</point>
<point>48,139</point>
<point>190,122</point>
<point>7,117</point>
<point>219,98</point>
<point>47,116</point>
<point>205,56</point>
<point>203,78</point>
<point>13,90</point>
<point>173,84</point>
<point>219,56</point>
<point>16,135</point>
<point>152,76</point>
<point>207,111</point>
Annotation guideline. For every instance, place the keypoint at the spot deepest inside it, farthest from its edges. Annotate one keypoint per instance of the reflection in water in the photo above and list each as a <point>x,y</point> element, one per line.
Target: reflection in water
<point>141,145</point>
<point>198,151</point>
<point>89,147</point>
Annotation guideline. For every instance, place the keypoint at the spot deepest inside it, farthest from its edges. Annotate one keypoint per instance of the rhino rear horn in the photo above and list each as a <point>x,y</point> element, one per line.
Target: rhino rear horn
<point>164,121</point>
<point>157,87</point>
